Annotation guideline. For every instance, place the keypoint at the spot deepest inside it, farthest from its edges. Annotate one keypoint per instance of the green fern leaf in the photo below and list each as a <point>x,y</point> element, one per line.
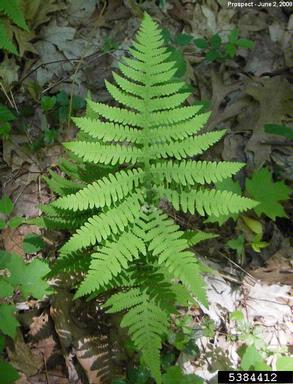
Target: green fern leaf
<point>211,202</point>
<point>117,115</point>
<point>107,132</point>
<point>100,227</point>
<point>188,147</point>
<point>179,131</point>
<point>5,42</point>
<point>147,324</point>
<point>192,172</point>
<point>105,154</point>
<point>105,192</point>
<point>127,159</point>
<point>61,186</point>
<point>110,261</point>
<point>12,9</point>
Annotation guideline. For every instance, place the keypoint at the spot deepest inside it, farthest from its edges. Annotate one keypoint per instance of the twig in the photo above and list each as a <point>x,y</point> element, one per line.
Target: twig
<point>8,98</point>
<point>62,80</point>
<point>239,267</point>
<point>12,97</point>
<point>54,62</point>
<point>46,370</point>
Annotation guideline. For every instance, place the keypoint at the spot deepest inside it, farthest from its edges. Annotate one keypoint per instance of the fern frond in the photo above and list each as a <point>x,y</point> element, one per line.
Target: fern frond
<point>179,131</point>
<point>100,227</point>
<point>117,115</point>
<point>54,218</point>
<point>174,116</point>
<point>168,102</point>
<point>188,147</point>
<point>210,202</point>
<point>105,154</point>
<point>166,89</point>
<point>164,77</point>
<point>60,185</point>
<point>122,301</point>
<point>107,131</point>
<point>149,52</point>
<point>167,243</point>
<point>110,261</point>
<point>70,264</point>
<point>151,60</point>
<point>154,70</point>
<point>147,323</point>
<point>129,86</point>
<point>192,172</point>
<point>132,74</point>
<point>12,9</point>
<point>127,159</point>
<point>124,98</point>
<point>58,223</point>
<point>5,41</point>
<point>105,192</point>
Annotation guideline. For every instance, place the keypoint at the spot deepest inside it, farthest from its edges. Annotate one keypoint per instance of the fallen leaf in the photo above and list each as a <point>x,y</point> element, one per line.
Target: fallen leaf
<point>39,12</point>
<point>272,110</point>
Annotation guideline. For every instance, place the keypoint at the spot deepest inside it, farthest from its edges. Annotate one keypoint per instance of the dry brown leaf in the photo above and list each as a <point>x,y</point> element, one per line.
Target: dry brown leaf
<point>38,12</point>
<point>13,238</point>
<point>22,358</point>
<point>278,269</point>
<point>274,96</point>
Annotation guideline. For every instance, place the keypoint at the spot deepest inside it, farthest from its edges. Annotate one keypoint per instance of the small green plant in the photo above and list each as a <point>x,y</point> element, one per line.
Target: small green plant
<point>216,50</point>
<point>135,161</point>
<point>109,45</point>
<point>253,351</point>
<point>25,279</point>
<point>6,116</point>
<point>280,130</point>
<point>11,16</point>
<point>174,45</point>
<point>56,110</point>
<point>269,193</point>
<point>6,208</point>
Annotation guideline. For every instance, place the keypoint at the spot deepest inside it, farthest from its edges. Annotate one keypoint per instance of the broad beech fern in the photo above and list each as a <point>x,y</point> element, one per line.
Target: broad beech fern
<point>129,159</point>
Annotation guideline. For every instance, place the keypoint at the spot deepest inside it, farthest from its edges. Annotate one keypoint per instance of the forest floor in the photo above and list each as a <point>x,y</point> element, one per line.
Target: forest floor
<point>73,49</point>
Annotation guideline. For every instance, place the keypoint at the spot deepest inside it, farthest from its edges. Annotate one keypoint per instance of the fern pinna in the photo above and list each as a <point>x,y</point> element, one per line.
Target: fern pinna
<point>132,158</point>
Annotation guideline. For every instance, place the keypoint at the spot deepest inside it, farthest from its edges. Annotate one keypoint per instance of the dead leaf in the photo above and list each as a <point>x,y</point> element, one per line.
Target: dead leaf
<point>39,12</point>
<point>265,57</point>
<point>278,269</point>
<point>22,357</point>
<point>13,238</point>
<point>274,96</point>
<point>23,39</point>
<point>9,72</point>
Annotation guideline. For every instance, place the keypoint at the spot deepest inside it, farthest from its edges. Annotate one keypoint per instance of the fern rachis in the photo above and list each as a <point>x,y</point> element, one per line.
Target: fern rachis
<point>137,250</point>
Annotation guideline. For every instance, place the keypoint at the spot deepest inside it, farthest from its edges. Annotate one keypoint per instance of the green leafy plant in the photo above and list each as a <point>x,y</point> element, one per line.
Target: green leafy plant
<point>175,45</point>
<point>137,160</point>
<point>6,208</point>
<point>268,193</point>
<point>27,280</point>
<point>10,13</point>
<point>217,50</point>
<point>109,45</point>
<point>254,351</point>
<point>6,116</point>
<point>280,130</point>
<point>56,110</point>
